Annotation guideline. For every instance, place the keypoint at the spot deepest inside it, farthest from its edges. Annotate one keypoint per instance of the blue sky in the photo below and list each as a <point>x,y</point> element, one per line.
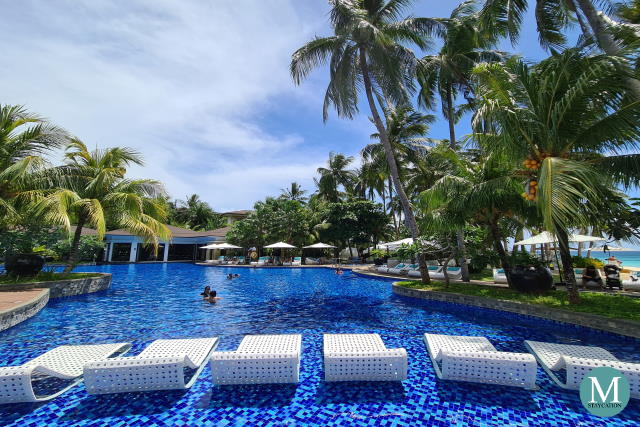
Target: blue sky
<point>201,88</point>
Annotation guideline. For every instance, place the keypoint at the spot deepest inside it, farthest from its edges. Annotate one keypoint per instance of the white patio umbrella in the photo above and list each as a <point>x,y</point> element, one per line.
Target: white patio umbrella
<point>228,246</point>
<point>612,249</point>
<point>546,237</point>
<point>395,245</point>
<point>319,246</point>
<point>280,245</point>
<point>211,246</point>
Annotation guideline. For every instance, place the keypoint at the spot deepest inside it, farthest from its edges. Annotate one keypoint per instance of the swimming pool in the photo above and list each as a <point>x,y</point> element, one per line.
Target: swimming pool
<point>151,301</point>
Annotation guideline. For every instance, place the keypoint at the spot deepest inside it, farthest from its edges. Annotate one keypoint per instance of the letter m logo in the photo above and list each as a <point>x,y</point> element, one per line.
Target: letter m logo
<point>597,388</point>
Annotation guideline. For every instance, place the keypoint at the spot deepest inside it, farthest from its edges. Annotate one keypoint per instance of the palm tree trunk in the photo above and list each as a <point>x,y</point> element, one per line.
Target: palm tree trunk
<point>462,250</point>
<point>497,244</point>
<point>396,227</point>
<point>567,266</point>
<point>410,219</point>
<point>75,245</point>
<point>605,39</point>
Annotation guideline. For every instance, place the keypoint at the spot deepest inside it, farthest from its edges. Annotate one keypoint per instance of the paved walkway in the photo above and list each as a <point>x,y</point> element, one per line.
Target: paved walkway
<point>12,299</point>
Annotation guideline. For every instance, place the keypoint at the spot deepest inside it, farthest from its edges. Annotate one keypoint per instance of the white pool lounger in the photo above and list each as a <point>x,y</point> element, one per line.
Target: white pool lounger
<point>362,357</point>
<point>475,359</point>
<point>259,359</point>
<point>578,361</point>
<point>64,362</point>
<point>160,366</point>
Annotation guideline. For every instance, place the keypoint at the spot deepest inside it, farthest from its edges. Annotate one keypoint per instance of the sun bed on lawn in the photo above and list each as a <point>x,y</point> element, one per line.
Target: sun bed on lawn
<point>432,269</point>
<point>362,357</point>
<point>297,261</point>
<point>454,273</point>
<point>64,363</point>
<point>499,276</point>
<point>475,359</point>
<point>164,365</point>
<point>259,359</point>
<point>578,361</point>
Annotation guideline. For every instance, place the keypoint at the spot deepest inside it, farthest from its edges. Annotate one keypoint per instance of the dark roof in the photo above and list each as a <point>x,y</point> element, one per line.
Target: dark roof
<point>179,232</point>
<point>241,212</point>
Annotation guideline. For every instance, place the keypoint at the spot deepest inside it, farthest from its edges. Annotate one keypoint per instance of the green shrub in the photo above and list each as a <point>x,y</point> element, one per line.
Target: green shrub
<point>89,249</point>
<point>584,262</point>
<point>525,259</point>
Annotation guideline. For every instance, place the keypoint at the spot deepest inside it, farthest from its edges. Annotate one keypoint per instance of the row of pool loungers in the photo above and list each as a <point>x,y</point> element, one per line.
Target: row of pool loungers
<point>262,359</point>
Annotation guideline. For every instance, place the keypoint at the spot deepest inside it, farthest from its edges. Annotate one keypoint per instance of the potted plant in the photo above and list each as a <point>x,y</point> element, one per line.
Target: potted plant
<point>378,256</point>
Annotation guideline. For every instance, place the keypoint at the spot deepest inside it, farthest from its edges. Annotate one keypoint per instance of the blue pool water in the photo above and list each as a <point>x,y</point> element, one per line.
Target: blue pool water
<point>151,301</point>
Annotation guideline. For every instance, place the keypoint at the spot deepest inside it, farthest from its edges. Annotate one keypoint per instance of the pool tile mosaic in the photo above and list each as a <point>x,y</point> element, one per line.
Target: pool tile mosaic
<point>148,302</point>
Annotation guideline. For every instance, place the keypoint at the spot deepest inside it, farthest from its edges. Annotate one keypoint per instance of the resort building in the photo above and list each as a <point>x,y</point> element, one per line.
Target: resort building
<point>234,216</point>
<point>122,246</point>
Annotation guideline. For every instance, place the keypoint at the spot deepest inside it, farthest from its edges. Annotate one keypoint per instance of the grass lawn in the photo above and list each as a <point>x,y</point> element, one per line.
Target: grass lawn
<point>44,276</point>
<point>615,306</point>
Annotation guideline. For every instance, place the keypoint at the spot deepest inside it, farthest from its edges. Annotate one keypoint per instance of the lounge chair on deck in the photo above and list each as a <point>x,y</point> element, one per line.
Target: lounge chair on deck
<point>288,262</point>
<point>311,261</point>
<point>632,283</point>
<point>261,261</point>
<point>475,359</point>
<point>454,273</point>
<point>432,269</point>
<point>398,269</point>
<point>382,269</point>
<point>164,365</point>
<point>63,363</point>
<point>297,261</point>
<point>259,359</point>
<point>240,260</point>
<point>578,361</point>
<point>362,357</point>
<point>499,276</point>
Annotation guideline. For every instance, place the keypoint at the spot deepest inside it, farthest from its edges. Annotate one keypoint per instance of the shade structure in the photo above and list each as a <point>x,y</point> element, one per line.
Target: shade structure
<point>546,237</point>
<point>221,246</point>
<point>612,249</point>
<point>395,245</point>
<point>319,246</point>
<point>280,245</point>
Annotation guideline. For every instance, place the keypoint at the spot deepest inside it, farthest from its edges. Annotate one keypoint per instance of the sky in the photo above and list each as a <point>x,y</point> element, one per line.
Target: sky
<point>201,88</point>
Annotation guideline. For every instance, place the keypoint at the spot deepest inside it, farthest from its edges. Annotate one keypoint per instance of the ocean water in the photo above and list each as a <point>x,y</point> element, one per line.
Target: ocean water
<point>629,259</point>
<point>154,301</point>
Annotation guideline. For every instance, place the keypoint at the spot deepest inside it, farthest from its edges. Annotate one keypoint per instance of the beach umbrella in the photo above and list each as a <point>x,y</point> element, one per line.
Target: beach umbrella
<point>395,245</point>
<point>608,248</point>
<point>227,246</point>
<point>546,237</point>
<point>211,246</point>
<point>280,245</point>
<point>319,246</point>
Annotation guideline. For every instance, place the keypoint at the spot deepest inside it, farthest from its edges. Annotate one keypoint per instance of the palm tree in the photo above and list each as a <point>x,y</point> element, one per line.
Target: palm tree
<point>630,11</point>
<point>24,138</point>
<point>335,175</point>
<point>406,129</point>
<point>294,192</point>
<point>483,193</point>
<point>91,188</point>
<point>505,17</point>
<point>449,73</point>
<point>365,52</point>
<point>570,122</point>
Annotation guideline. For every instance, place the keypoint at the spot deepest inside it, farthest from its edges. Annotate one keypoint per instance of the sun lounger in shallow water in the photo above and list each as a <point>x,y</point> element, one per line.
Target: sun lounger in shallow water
<point>164,365</point>
<point>362,357</point>
<point>475,359</point>
<point>578,361</point>
<point>259,359</point>
<point>63,363</point>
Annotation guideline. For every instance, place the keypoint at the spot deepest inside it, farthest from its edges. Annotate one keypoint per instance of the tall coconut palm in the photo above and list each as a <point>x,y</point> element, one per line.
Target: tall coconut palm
<point>483,193</point>
<point>448,73</point>
<point>294,192</point>
<point>630,11</point>
<point>24,139</point>
<point>553,17</point>
<point>333,176</point>
<point>366,52</point>
<point>570,122</point>
<point>91,187</point>
<point>407,130</point>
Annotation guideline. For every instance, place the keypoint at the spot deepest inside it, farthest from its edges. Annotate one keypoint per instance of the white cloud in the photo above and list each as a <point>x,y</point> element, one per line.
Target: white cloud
<point>190,84</point>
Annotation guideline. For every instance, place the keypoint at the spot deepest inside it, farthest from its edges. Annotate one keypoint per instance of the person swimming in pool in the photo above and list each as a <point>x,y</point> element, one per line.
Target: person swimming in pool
<point>213,297</point>
<point>236,275</point>
<point>230,276</point>
<point>205,293</point>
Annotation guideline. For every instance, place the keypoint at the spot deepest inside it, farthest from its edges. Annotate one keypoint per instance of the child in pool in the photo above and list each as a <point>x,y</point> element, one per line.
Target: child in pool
<point>205,293</point>
<point>213,297</point>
